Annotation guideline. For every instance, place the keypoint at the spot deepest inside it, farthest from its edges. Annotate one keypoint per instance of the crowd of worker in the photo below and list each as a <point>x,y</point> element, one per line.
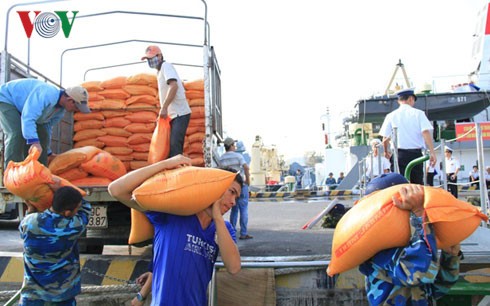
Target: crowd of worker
<point>179,274</point>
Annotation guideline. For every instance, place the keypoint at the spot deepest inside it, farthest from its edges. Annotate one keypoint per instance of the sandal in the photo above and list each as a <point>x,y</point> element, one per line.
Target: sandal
<point>245,237</point>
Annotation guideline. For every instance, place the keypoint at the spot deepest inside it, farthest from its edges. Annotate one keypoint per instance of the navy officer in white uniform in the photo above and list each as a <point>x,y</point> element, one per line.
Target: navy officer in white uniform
<point>414,134</point>
<point>452,169</point>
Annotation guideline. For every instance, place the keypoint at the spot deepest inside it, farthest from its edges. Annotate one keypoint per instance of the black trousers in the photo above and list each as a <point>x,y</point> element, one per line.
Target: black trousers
<point>430,178</point>
<point>404,158</point>
<point>453,189</point>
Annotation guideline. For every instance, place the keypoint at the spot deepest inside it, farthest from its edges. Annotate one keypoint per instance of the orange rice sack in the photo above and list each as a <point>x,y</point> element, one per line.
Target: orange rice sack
<point>114,83</point>
<point>78,116</point>
<point>120,122</point>
<point>140,156</point>
<point>116,131</point>
<point>113,141</point>
<point>141,79</point>
<point>94,105</point>
<point>94,96</point>
<point>138,138</point>
<point>361,232</point>
<point>113,113</point>
<point>114,94</point>
<point>124,158</point>
<point>196,102</point>
<point>194,94</point>
<point>194,85</point>
<point>72,159</point>
<point>195,147</point>
<point>197,112</point>
<point>141,228</point>
<point>140,90</point>
<point>454,220</point>
<point>29,180</point>
<point>195,129</point>
<point>142,117</point>
<point>196,122</point>
<point>136,164</point>
<point>89,142</point>
<point>88,134</point>
<point>141,147</point>
<point>142,99</point>
<point>119,150</point>
<point>87,124</point>
<point>92,181</point>
<point>138,106</point>
<point>183,191</point>
<point>116,104</point>
<point>160,141</point>
<point>196,137</point>
<point>140,127</point>
<point>92,86</point>
<point>104,165</point>
<point>73,174</point>
<point>127,165</point>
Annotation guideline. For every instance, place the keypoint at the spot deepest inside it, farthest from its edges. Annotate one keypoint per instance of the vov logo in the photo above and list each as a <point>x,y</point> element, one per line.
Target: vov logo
<point>47,24</point>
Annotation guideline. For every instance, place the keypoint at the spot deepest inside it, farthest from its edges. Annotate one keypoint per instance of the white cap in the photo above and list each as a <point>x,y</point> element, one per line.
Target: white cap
<point>80,96</point>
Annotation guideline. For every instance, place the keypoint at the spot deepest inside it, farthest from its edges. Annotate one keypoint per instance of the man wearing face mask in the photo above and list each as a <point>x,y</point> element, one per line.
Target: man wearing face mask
<point>173,102</point>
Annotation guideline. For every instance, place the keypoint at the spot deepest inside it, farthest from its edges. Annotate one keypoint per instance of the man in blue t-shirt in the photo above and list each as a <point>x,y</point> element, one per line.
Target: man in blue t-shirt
<point>185,247</point>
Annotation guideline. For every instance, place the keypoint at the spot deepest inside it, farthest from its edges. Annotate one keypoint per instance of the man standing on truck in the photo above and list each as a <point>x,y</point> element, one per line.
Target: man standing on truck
<point>29,108</point>
<point>173,102</point>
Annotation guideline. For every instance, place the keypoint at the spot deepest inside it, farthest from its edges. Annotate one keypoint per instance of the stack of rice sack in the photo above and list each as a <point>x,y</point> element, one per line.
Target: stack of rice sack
<point>87,166</point>
<point>123,119</point>
<point>194,140</point>
<point>124,111</point>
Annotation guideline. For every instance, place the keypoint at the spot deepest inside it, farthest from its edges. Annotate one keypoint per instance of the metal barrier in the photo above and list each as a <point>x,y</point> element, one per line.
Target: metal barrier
<point>260,265</point>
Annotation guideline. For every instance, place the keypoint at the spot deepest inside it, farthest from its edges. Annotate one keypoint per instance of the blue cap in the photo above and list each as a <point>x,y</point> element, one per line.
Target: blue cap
<point>240,147</point>
<point>385,180</point>
<point>406,92</point>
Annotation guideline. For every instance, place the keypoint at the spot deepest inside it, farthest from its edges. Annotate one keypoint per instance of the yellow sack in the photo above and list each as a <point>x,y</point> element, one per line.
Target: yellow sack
<point>375,224</point>
<point>141,228</point>
<point>183,191</point>
<point>105,165</point>
<point>29,180</point>
<point>72,159</point>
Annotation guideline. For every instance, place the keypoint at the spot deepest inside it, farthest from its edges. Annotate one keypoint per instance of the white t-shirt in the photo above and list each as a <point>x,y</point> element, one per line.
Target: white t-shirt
<point>452,164</point>
<point>385,164</point>
<point>410,123</point>
<point>179,106</point>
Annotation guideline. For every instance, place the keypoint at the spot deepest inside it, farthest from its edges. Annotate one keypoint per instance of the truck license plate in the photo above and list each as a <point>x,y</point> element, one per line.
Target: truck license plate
<point>98,218</point>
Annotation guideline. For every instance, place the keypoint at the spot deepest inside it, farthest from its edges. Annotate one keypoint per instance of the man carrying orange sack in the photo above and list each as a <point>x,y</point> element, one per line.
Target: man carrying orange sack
<point>414,274</point>
<point>29,108</point>
<point>51,257</point>
<point>185,247</point>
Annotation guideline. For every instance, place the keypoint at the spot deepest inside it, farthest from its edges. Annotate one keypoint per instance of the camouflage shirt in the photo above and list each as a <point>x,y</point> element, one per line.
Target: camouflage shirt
<point>51,258</point>
<point>413,275</point>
